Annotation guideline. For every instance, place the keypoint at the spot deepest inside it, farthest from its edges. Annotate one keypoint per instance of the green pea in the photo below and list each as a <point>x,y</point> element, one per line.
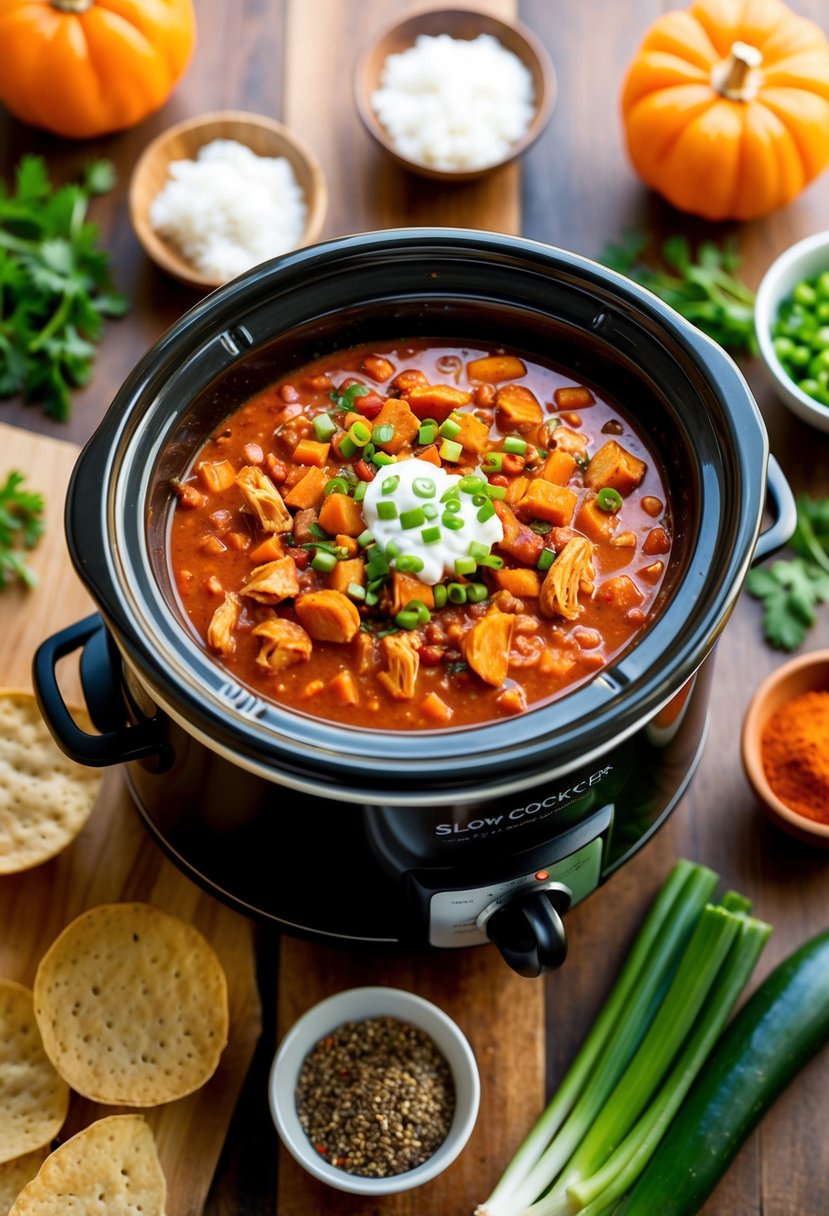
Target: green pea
<point>822,312</point>
<point>804,293</point>
<point>810,387</point>
<point>821,338</point>
<point>800,356</point>
<point>783,347</point>
<point>822,285</point>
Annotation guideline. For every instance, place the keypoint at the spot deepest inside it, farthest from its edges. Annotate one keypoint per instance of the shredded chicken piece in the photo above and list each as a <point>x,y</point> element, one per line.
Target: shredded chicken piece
<point>402,665</point>
<point>263,499</point>
<point>486,647</point>
<point>273,582</point>
<point>283,643</point>
<point>571,573</point>
<point>222,624</point>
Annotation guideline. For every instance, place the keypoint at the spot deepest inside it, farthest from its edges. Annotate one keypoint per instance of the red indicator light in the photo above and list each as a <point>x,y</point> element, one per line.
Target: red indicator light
<point>542,875</point>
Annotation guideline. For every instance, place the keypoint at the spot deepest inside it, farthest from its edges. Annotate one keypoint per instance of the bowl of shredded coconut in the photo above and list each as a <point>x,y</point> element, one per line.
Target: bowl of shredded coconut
<point>216,195</point>
<point>454,94</point>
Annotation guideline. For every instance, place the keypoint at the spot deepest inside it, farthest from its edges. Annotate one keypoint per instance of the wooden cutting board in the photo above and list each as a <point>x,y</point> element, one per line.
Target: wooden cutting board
<point>114,858</point>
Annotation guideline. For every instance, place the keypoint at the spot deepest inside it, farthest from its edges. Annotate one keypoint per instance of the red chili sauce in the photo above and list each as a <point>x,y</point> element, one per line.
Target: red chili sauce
<point>283,582</point>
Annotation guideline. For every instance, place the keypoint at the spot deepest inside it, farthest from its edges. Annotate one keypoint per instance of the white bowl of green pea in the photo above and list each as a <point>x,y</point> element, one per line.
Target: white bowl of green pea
<point>791,318</point>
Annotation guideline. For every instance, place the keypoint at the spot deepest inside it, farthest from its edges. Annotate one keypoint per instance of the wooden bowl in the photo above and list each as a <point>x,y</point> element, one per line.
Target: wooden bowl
<point>460,23</point>
<point>264,136</point>
<point>807,673</point>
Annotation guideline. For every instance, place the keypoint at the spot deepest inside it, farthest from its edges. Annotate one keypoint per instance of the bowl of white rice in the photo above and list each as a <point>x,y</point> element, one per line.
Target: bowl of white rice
<point>214,196</point>
<point>454,94</point>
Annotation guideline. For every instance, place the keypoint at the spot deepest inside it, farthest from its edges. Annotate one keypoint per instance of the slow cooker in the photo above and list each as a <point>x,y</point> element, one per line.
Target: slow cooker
<point>432,839</point>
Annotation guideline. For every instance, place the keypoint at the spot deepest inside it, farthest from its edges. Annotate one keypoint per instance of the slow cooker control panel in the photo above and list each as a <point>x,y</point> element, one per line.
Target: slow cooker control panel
<point>454,915</point>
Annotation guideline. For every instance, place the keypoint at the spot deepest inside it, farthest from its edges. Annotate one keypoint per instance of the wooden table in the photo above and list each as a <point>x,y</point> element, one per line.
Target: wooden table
<point>293,59</point>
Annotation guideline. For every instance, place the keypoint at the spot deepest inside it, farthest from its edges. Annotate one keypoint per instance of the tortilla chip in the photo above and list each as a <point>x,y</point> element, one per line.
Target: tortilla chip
<point>33,1098</point>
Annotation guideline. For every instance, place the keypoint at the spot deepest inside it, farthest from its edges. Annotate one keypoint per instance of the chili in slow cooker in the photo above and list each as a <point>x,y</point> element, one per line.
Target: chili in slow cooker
<point>418,535</point>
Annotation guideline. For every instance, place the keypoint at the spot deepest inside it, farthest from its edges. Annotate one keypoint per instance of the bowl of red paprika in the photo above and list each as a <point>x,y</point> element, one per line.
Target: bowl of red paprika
<point>785,747</point>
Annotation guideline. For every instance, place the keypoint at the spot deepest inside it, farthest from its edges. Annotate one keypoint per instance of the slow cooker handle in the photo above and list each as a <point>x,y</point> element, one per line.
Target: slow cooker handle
<point>529,931</point>
<point>785,509</point>
<point>117,746</point>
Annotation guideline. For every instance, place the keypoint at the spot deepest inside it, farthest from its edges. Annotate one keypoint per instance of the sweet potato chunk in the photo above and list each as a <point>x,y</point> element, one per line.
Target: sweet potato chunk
<point>402,665</point>
<point>558,467</point>
<point>517,408</point>
<point>434,707</point>
<point>217,475</point>
<point>311,451</point>
<point>263,499</point>
<point>328,616</point>
<point>493,369</point>
<point>487,645</point>
<point>545,500</point>
<point>621,592</point>
<point>473,435</point>
<point>396,413</point>
<point>519,541</point>
<point>343,688</point>
<point>273,582</point>
<point>571,573</point>
<point>378,367</point>
<point>283,643</point>
<point>405,588</point>
<point>436,400</point>
<point>340,513</point>
<point>353,570</point>
<point>268,551</point>
<point>222,624</point>
<point>571,442</point>
<point>616,467</point>
<point>596,523</point>
<point>309,491</point>
<point>520,581</point>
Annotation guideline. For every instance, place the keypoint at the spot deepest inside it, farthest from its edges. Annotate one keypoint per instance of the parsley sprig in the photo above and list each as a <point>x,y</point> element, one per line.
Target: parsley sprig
<point>344,400</point>
<point>55,284</point>
<point>705,289</point>
<point>791,589</point>
<point>21,527</point>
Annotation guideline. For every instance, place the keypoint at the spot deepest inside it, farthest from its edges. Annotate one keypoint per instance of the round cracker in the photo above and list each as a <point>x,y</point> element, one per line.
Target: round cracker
<point>132,1005</point>
<point>45,798</point>
<point>111,1168</point>
<point>33,1098</point>
<point>15,1174</point>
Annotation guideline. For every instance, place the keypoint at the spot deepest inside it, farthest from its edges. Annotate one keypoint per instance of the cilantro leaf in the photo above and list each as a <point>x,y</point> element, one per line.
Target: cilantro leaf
<point>792,589</point>
<point>21,527</point>
<point>55,285</point>
<point>705,289</point>
<point>345,400</point>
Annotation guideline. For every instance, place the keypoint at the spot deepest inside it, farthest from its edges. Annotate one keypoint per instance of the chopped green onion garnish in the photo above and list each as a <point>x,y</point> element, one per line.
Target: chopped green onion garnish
<point>545,559</point>
<point>453,522</point>
<point>409,564</point>
<point>377,566</point>
<point>347,447</point>
<point>337,485</point>
<point>485,512</point>
<point>493,462</point>
<point>471,484</point>
<point>453,506</point>
<point>359,433</point>
<point>514,445</point>
<point>318,532</point>
<point>384,433</point>
<point>478,500</point>
<point>355,591</point>
<point>492,562</point>
<point>340,552</point>
<point>371,598</point>
<point>424,487</point>
<point>390,484</point>
<point>423,613</point>
<point>360,491</point>
<point>383,458</point>
<point>428,432</point>
<point>465,565</point>
<point>440,596</point>
<point>476,592</point>
<point>430,536</point>
<point>456,593</point>
<point>478,550</point>
<point>430,510</point>
<point>608,499</point>
<point>449,429</point>
<point>407,620</point>
<point>365,538</point>
<point>323,561</point>
<point>368,451</point>
<point>450,450</point>
<point>453,493</point>
<point>387,510</point>
<point>412,519</point>
<point>324,427</point>
<point>392,550</point>
<point>496,491</point>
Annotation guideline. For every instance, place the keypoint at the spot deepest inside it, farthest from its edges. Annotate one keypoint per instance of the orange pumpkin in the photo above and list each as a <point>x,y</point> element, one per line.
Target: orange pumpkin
<point>726,107</point>
<point>82,68</point>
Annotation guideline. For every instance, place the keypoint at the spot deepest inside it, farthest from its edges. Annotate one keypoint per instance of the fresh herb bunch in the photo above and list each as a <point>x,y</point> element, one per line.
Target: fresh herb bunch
<point>792,588</point>
<point>21,527</point>
<point>55,285</point>
<point>706,291</point>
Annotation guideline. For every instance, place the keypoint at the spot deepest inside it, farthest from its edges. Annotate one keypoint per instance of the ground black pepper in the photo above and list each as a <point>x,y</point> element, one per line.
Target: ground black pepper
<point>375,1097</point>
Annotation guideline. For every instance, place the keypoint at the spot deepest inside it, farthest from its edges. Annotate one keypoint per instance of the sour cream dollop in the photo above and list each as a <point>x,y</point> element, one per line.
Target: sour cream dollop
<point>424,512</point>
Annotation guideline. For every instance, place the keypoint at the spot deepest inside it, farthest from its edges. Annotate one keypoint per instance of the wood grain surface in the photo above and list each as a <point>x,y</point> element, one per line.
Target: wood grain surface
<point>113,860</point>
<point>293,59</point>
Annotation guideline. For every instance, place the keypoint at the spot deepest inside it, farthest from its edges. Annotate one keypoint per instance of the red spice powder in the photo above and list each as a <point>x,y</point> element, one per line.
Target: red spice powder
<point>795,754</point>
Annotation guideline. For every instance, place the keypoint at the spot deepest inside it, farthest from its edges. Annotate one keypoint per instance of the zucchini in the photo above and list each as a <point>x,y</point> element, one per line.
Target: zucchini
<point>770,1039</point>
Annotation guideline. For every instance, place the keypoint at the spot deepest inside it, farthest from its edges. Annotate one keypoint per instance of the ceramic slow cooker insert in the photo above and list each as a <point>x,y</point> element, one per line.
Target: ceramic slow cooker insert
<point>444,838</point>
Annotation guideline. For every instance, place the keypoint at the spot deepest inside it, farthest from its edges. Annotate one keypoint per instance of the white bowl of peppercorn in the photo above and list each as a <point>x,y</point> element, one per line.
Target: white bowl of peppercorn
<point>374,1091</point>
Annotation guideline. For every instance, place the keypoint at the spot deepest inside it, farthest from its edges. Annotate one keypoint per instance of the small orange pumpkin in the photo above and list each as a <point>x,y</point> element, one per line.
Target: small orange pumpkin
<point>726,107</point>
<point>83,68</point>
